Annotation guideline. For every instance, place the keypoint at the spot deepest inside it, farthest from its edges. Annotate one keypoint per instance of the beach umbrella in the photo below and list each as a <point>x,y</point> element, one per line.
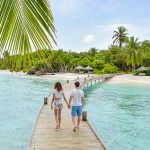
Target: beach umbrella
<point>142,69</point>
<point>79,68</point>
<point>88,68</point>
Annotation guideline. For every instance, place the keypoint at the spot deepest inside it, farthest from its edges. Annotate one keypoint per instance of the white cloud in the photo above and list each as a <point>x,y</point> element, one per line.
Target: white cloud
<point>132,29</point>
<point>89,38</point>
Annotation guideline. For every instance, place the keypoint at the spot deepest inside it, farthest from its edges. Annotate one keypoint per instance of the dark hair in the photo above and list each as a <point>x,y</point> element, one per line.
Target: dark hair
<point>58,86</point>
<point>77,83</point>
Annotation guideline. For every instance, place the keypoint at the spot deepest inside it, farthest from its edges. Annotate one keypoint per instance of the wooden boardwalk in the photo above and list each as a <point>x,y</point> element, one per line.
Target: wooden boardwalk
<point>46,137</point>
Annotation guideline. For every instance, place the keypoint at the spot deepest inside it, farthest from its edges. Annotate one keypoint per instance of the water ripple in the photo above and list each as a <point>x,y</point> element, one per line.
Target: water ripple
<point>120,115</point>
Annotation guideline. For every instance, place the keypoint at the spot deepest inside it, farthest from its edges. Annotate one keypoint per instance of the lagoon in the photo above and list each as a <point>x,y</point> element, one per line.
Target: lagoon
<point>120,114</point>
<point>20,101</point>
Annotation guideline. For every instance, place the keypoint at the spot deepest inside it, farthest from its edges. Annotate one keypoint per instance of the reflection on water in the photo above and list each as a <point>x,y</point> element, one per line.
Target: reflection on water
<point>120,115</point>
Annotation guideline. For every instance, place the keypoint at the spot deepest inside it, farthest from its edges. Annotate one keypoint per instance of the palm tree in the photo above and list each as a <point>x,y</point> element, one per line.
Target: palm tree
<point>134,55</point>
<point>93,51</point>
<point>120,36</point>
<point>25,26</point>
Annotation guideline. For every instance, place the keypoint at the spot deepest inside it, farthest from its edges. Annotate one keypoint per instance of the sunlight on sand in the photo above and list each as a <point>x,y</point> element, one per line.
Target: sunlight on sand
<point>128,78</point>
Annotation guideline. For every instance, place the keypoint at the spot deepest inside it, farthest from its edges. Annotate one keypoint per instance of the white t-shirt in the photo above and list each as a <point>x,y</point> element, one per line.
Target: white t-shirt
<point>58,94</point>
<point>77,95</point>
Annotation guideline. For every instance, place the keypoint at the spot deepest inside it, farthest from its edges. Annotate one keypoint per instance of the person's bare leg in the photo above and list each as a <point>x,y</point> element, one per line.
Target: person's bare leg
<point>79,120</point>
<point>56,117</point>
<point>59,116</point>
<point>74,120</point>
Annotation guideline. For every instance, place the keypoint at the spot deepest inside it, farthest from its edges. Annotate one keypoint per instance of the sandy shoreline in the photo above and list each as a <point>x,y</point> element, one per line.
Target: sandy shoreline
<point>129,79</point>
<point>118,79</point>
<point>57,76</point>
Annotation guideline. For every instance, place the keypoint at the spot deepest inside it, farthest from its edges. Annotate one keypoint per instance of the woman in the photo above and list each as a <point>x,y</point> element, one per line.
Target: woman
<point>58,94</point>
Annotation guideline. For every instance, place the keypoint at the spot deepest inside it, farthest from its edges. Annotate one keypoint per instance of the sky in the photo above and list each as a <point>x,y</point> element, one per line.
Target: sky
<point>82,24</point>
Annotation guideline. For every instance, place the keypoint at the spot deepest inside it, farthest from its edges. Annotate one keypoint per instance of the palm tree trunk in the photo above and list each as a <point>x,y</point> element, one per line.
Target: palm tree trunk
<point>129,68</point>
<point>120,44</point>
<point>134,67</point>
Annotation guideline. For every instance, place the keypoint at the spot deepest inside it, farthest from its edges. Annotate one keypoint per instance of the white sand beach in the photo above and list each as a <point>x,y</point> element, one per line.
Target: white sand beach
<point>7,72</point>
<point>125,78</point>
<point>128,78</point>
<point>57,76</point>
<point>65,76</point>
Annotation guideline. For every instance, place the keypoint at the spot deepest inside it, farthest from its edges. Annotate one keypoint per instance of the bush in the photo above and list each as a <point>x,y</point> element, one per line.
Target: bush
<point>148,72</point>
<point>84,62</point>
<point>97,71</point>
<point>97,64</point>
<point>26,70</point>
<point>108,68</point>
<point>136,72</point>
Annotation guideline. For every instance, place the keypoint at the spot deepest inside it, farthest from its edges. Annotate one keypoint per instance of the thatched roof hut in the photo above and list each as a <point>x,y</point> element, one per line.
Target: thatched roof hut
<point>79,68</point>
<point>88,68</point>
<point>141,69</point>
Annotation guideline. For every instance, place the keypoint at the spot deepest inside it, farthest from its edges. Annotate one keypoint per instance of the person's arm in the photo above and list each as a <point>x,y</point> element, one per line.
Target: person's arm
<point>82,101</point>
<point>52,101</point>
<point>65,99</point>
<point>70,100</point>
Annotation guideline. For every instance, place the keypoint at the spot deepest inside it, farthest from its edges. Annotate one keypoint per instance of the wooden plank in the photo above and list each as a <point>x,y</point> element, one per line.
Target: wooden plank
<point>46,137</point>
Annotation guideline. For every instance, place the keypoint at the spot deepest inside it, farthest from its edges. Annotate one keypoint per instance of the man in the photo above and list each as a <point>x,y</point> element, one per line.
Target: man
<point>77,100</point>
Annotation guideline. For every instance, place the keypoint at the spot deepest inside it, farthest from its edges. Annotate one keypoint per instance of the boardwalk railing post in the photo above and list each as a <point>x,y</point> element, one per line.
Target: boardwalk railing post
<point>84,116</point>
<point>45,100</point>
<point>67,81</point>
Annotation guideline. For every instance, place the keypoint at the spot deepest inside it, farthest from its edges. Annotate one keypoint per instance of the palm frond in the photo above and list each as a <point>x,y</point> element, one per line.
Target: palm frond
<point>26,26</point>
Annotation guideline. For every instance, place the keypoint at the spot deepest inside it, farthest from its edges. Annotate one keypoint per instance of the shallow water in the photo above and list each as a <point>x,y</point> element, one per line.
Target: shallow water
<point>20,102</point>
<point>120,115</point>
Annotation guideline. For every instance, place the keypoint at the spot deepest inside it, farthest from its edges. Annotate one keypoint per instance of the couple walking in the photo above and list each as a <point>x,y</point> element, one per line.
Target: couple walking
<point>76,102</point>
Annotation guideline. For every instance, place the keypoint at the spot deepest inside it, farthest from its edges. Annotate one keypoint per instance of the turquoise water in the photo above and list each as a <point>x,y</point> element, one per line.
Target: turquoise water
<point>120,115</point>
<point>20,102</point>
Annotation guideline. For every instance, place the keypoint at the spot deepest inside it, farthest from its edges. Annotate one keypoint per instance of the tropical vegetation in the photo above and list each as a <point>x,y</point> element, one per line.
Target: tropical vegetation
<point>26,26</point>
<point>120,36</point>
<point>26,34</point>
<point>131,55</point>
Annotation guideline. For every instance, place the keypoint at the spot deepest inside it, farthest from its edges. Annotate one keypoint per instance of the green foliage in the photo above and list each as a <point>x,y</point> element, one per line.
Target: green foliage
<point>26,26</point>
<point>123,57</point>
<point>93,51</point>
<point>108,68</point>
<point>148,72</point>
<point>97,71</point>
<point>98,64</point>
<point>120,36</point>
<point>136,72</point>
<point>84,62</point>
<point>134,54</point>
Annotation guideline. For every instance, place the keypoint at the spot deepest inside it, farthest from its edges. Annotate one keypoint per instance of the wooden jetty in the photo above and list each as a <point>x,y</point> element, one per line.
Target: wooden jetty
<point>46,137</point>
